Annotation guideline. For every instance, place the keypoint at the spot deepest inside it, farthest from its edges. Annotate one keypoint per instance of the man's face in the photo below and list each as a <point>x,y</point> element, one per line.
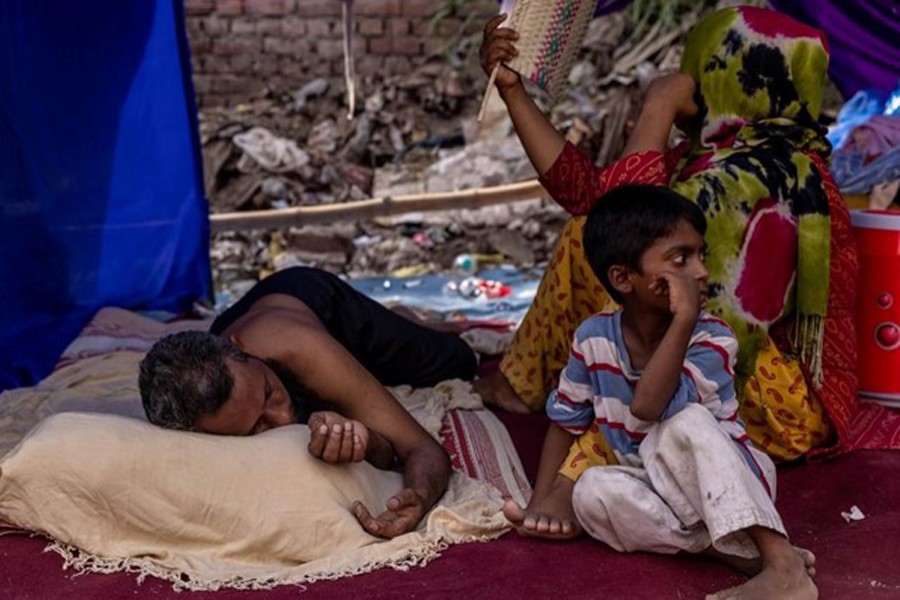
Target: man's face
<point>258,402</point>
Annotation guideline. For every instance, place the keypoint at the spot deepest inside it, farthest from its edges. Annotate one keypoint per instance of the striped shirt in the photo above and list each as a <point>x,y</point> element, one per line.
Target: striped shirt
<point>597,385</point>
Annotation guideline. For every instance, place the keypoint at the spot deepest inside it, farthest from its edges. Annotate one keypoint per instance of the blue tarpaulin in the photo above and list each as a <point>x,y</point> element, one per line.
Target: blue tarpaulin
<point>101,196</point>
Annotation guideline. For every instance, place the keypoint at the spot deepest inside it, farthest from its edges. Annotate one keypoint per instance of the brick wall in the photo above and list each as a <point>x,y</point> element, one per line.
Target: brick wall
<point>243,48</point>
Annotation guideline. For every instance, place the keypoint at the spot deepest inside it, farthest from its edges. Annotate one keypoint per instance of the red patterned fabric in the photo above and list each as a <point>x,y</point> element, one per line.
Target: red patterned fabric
<point>575,182</point>
<point>480,447</point>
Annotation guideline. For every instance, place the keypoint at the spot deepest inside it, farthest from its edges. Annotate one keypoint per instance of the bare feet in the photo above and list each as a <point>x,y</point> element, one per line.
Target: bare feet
<point>551,517</point>
<point>809,560</point>
<point>787,579</point>
<point>495,390</point>
<point>753,566</point>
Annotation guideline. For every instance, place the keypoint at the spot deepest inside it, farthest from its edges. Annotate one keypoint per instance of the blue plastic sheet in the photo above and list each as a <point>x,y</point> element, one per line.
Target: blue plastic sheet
<point>101,197</point>
<point>440,294</point>
<point>858,109</point>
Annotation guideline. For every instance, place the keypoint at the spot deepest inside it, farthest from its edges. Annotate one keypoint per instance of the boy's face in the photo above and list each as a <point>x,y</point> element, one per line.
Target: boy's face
<point>681,253</point>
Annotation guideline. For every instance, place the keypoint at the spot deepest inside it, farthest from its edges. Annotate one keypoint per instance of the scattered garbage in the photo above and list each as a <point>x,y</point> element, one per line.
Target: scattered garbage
<point>465,264</point>
<point>855,514</point>
<point>416,132</point>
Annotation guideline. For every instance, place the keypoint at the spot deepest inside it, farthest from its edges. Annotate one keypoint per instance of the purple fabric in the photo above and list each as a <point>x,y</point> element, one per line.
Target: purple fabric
<point>605,7</point>
<point>862,36</point>
<point>876,136</point>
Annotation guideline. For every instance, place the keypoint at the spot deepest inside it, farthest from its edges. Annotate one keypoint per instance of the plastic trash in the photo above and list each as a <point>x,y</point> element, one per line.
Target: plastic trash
<point>857,110</point>
<point>465,264</point>
<point>474,287</point>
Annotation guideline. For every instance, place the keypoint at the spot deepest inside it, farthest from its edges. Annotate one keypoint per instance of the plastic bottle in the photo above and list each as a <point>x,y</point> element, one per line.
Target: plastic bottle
<point>465,265</point>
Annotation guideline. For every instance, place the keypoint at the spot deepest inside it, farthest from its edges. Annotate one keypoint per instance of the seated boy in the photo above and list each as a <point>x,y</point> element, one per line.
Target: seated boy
<point>657,379</point>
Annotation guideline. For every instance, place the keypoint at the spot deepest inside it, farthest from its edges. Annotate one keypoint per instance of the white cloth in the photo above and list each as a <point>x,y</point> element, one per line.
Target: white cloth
<point>694,490</point>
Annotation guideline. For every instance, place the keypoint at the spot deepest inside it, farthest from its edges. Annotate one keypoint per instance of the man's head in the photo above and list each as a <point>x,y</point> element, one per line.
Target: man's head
<point>638,228</point>
<point>197,381</point>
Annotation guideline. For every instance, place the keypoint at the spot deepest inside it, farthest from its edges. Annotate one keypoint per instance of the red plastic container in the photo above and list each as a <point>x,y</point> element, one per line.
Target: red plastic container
<point>877,235</point>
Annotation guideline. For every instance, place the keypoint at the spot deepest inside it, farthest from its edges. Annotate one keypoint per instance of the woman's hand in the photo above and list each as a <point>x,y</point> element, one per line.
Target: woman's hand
<point>675,93</point>
<point>497,46</point>
<point>336,439</point>
<point>669,98</point>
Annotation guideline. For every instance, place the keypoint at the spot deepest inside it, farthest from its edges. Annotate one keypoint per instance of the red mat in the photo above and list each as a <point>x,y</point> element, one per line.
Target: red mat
<point>855,560</point>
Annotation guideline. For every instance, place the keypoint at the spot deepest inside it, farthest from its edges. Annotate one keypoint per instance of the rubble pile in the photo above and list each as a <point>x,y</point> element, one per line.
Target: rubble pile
<point>413,133</point>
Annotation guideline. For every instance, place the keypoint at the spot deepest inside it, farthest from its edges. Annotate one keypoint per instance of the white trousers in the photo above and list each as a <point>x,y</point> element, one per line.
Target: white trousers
<point>694,490</point>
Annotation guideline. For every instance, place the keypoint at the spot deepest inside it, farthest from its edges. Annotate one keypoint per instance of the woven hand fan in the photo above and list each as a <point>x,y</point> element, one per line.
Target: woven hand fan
<point>550,35</point>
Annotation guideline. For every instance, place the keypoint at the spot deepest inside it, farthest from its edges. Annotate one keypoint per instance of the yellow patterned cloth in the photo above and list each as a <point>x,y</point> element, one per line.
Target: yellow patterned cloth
<point>568,294</point>
<point>781,415</point>
<point>590,450</point>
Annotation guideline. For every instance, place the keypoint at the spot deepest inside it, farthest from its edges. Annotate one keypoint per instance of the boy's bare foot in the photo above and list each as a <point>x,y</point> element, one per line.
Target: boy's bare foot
<point>809,560</point>
<point>753,566</point>
<point>550,517</point>
<point>787,579</point>
<point>495,390</point>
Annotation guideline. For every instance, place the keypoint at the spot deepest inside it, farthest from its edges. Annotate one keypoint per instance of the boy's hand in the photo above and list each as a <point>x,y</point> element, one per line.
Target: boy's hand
<point>497,45</point>
<point>336,439</point>
<point>674,92</point>
<point>683,291</point>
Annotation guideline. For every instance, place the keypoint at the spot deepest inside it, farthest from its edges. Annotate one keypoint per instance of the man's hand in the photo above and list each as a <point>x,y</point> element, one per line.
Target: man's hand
<point>404,511</point>
<point>497,46</point>
<point>336,439</point>
<point>683,292</point>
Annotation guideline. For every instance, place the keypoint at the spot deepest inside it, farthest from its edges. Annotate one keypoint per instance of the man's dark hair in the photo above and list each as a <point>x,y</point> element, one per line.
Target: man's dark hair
<point>625,222</point>
<point>184,376</point>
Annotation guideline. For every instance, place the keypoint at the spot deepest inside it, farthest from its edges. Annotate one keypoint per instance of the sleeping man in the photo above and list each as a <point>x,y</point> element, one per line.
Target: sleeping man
<point>303,346</point>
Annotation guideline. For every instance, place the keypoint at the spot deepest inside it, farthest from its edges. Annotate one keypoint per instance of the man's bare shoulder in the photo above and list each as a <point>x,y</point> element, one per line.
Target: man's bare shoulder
<point>273,320</point>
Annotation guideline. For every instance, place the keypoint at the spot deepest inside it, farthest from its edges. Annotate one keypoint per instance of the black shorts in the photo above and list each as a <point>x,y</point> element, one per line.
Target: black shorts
<point>393,349</point>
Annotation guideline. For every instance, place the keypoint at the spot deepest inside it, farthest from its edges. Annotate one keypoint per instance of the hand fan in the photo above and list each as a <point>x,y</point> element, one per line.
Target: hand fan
<point>550,35</point>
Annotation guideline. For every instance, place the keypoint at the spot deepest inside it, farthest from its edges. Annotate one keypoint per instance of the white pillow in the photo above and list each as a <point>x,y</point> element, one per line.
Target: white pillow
<point>208,511</point>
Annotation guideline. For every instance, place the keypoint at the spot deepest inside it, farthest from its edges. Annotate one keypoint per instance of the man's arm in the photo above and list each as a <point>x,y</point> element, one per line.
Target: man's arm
<point>330,371</point>
<point>333,373</point>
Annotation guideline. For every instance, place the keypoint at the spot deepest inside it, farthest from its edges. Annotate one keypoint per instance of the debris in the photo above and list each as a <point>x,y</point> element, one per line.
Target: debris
<point>855,514</point>
<point>488,342</point>
<point>512,244</point>
<point>271,152</point>
<point>465,264</point>
<point>416,133</point>
<point>314,88</point>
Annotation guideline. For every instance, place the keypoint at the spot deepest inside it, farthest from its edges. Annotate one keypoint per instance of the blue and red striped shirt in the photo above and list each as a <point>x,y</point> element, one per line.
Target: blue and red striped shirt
<point>597,385</point>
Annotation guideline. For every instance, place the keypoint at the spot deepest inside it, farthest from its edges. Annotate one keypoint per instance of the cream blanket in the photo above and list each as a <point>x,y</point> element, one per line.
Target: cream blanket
<point>204,511</point>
